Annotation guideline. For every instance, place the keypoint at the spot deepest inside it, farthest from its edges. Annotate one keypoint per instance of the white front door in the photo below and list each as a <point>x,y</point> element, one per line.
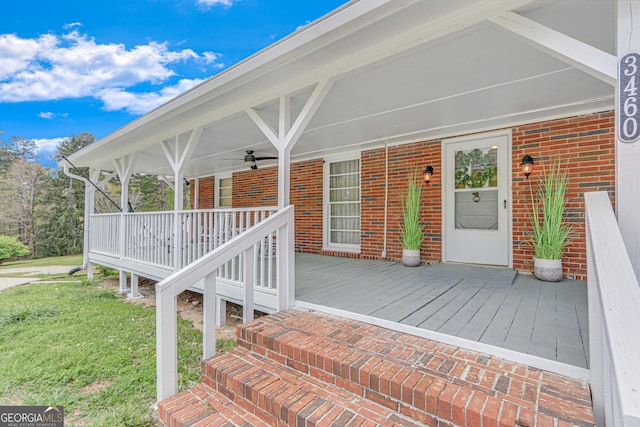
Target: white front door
<point>477,208</point>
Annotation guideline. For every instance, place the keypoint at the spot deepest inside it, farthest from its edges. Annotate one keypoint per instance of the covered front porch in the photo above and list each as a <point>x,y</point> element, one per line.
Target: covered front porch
<point>491,310</point>
<point>488,309</point>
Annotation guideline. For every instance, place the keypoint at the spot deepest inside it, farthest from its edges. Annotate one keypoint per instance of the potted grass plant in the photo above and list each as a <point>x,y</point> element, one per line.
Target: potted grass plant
<point>411,227</point>
<point>551,230</point>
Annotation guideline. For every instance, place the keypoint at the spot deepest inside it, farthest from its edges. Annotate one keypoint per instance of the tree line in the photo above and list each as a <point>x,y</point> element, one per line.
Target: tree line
<point>43,208</point>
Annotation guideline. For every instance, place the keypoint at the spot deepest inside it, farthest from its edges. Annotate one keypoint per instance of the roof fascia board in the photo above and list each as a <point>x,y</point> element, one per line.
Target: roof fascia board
<point>589,59</point>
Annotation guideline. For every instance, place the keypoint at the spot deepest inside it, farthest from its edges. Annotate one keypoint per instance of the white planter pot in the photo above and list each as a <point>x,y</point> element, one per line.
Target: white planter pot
<point>549,270</point>
<point>411,257</point>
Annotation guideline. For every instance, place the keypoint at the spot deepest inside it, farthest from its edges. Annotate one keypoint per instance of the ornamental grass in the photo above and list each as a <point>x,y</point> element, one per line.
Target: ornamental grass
<point>411,227</point>
<point>551,231</point>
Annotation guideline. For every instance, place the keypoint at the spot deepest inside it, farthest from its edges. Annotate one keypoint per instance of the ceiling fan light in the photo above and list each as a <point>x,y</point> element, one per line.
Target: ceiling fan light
<point>250,160</point>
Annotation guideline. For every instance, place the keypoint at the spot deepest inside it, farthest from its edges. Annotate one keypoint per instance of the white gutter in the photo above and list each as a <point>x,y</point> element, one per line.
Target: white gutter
<point>386,198</point>
<point>87,216</point>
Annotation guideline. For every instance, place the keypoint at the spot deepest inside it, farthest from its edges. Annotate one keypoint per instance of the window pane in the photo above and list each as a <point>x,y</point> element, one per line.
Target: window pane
<point>477,210</point>
<point>345,237</point>
<point>345,195</point>
<point>477,168</point>
<point>345,209</point>
<point>225,192</point>
<point>344,199</point>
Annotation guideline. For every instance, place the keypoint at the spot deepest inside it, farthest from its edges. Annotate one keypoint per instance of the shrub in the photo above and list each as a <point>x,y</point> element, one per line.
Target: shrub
<point>10,247</point>
<point>105,271</point>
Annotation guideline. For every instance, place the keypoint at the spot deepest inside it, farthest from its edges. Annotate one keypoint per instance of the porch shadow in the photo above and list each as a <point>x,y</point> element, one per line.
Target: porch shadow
<point>547,320</point>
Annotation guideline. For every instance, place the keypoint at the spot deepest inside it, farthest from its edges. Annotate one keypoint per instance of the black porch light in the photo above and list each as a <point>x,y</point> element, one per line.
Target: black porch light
<point>428,173</point>
<point>527,165</point>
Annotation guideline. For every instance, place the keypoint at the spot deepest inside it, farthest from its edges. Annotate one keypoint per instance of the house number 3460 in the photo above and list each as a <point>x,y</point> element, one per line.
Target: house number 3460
<point>628,110</point>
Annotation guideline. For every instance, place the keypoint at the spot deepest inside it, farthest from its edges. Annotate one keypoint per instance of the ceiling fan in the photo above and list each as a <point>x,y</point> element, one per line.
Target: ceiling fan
<point>250,159</point>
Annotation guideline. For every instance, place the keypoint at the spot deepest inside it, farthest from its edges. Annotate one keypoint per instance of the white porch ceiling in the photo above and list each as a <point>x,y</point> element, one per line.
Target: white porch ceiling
<point>403,70</point>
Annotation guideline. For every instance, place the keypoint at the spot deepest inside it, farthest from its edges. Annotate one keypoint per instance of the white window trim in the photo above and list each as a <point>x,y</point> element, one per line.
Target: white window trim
<point>326,245</point>
<point>216,189</point>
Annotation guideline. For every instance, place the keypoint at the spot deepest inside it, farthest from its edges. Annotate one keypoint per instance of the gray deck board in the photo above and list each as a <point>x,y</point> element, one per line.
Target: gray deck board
<point>543,319</point>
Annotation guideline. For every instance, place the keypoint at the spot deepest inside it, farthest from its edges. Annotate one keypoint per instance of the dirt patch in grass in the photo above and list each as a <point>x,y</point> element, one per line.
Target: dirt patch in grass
<point>189,306</point>
<point>96,386</point>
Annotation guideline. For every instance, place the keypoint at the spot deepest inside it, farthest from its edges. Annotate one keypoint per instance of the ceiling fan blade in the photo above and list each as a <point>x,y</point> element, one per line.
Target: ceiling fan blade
<point>266,158</point>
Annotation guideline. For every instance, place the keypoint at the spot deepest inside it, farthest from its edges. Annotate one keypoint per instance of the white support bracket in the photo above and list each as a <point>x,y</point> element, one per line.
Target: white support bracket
<point>168,181</point>
<point>589,59</point>
<point>124,167</point>
<point>288,134</point>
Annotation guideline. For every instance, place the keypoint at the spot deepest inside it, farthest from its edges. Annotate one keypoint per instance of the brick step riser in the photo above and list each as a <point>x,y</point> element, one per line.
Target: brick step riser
<point>281,396</point>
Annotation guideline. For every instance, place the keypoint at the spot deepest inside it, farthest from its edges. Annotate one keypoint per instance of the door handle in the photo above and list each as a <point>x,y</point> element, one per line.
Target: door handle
<point>505,203</point>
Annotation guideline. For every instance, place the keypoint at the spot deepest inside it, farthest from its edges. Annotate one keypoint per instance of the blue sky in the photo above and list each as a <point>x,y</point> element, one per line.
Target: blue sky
<point>92,66</point>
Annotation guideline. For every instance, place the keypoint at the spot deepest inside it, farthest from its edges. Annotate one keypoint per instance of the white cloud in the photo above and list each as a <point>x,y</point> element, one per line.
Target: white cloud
<point>140,103</point>
<point>211,3</point>
<point>73,65</point>
<point>72,25</point>
<point>48,115</point>
<point>46,146</point>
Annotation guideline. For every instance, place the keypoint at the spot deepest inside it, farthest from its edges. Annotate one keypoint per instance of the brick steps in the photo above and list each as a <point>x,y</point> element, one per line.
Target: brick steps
<point>310,369</point>
<point>273,395</point>
<point>203,406</point>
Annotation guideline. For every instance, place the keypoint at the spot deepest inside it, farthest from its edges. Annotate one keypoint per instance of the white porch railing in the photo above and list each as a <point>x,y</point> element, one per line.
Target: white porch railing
<point>104,234</point>
<point>148,237</point>
<point>152,238</point>
<point>614,319</point>
<point>204,270</point>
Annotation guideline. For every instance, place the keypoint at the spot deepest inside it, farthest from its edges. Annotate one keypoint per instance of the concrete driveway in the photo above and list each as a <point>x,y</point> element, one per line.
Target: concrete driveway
<point>10,277</point>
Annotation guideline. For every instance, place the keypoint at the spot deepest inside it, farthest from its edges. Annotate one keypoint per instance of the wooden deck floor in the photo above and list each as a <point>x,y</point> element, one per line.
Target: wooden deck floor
<point>548,320</point>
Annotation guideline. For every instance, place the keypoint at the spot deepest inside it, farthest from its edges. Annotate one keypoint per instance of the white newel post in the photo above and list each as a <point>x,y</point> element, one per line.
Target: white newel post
<point>124,167</point>
<point>628,118</point>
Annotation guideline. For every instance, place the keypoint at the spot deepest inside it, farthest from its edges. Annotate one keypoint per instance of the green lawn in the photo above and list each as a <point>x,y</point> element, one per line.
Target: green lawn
<point>85,348</point>
<point>68,260</point>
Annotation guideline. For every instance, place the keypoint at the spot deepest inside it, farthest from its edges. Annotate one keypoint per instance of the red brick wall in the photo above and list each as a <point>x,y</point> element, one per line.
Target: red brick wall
<point>585,143</point>
<point>306,196</point>
<point>259,187</point>
<point>206,193</point>
<point>402,160</point>
<point>255,188</point>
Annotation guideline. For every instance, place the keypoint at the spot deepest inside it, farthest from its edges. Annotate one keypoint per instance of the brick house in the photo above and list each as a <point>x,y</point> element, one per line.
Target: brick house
<point>585,143</point>
<point>329,122</point>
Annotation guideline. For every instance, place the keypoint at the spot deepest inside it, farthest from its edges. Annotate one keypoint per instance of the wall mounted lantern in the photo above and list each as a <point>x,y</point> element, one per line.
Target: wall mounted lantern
<point>527,165</point>
<point>428,173</point>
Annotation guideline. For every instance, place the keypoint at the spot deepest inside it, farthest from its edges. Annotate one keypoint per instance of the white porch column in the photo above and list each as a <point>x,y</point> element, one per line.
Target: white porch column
<point>284,140</point>
<point>178,152</point>
<point>124,168</point>
<point>628,153</point>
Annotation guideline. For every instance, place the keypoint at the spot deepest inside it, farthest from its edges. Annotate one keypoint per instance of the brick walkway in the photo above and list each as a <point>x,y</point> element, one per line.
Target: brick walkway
<point>311,369</point>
